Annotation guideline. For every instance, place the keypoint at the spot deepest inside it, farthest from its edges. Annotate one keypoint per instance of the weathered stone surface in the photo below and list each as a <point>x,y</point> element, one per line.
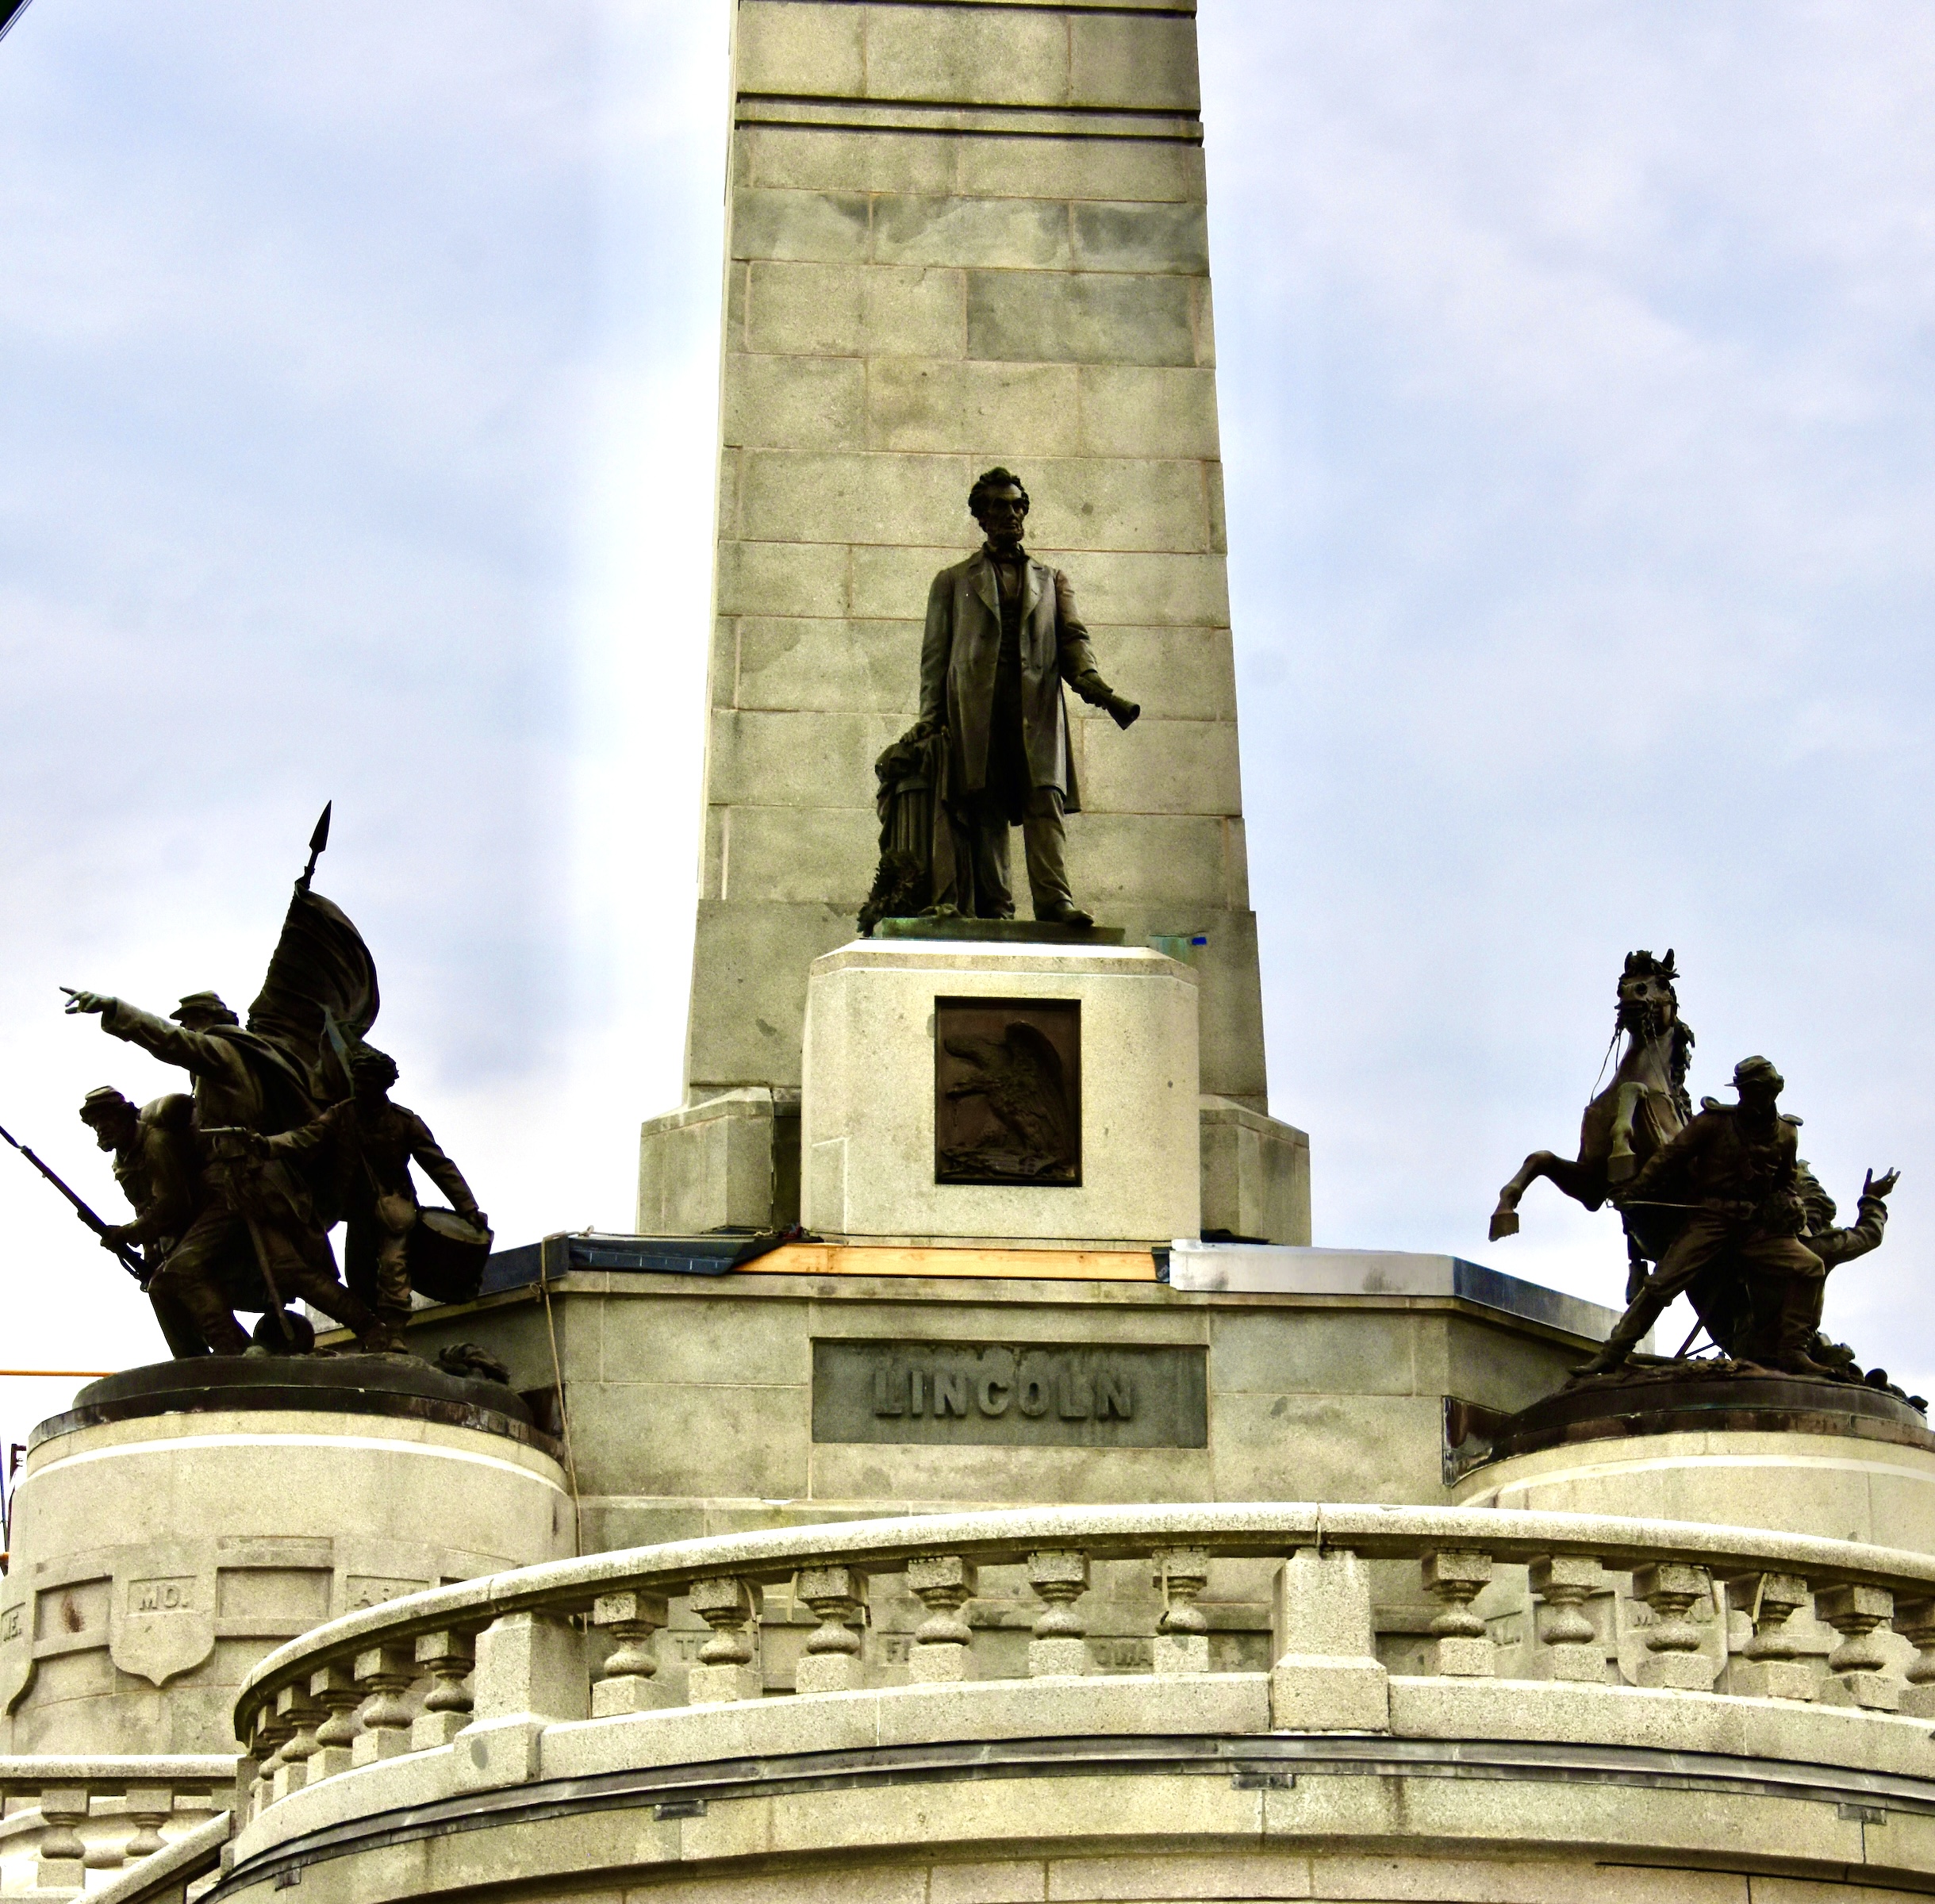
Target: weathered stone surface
<point>959,236</point>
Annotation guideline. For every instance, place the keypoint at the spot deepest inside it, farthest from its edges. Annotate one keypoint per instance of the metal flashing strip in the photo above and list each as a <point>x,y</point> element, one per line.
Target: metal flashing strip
<point>1264,1761</point>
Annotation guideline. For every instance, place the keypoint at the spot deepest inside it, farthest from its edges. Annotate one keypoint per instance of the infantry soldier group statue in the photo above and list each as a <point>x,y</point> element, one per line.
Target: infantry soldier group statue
<point>288,1130</point>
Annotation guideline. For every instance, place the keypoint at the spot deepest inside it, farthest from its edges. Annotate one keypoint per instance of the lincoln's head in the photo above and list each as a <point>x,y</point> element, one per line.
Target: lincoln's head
<point>1000,505</point>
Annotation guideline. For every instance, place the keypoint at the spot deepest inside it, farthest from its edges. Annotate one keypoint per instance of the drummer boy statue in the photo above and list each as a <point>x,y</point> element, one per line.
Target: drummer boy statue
<point>369,1144</point>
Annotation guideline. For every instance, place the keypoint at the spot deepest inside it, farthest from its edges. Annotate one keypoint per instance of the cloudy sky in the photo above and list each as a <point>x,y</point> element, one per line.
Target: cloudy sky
<point>357,372</point>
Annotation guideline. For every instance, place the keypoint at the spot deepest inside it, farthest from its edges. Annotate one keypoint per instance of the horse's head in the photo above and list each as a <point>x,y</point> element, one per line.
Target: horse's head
<point>1648,1004</point>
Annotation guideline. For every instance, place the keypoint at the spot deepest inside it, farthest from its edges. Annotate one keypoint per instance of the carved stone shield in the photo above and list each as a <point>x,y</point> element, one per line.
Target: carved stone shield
<point>163,1620</point>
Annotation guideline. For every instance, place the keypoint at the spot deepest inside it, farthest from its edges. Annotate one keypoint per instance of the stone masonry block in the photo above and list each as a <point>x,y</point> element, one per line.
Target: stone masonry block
<point>1054,317</point>
<point>1177,673</point>
<point>1118,59</point>
<point>788,663</point>
<point>855,310</point>
<point>1002,234</point>
<point>783,46</point>
<point>531,1665</point>
<point>1151,858</point>
<point>749,991</point>
<point>967,56</point>
<point>1256,1174</point>
<point>730,1162</point>
<point>1139,410</point>
<point>797,759</point>
<point>1325,1677</point>
<point>823,158</point>
<point>1121,171</point>
<point>794,403</point>
<point>1143,590</point>
<point>1138,503</point>
<point>791,854</point>
<point>1164,767</point>
<point>781,579</point>
<point>1117,237</point>
<point>894,581</point>
<point>870,499</point>
<point>1005,410</point>
<point>822,228</point>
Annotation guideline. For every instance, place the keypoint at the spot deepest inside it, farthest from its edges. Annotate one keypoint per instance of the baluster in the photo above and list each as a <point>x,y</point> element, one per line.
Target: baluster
<point>64,1810</point>
<point>626,1682</point>
<point>106,1852</point>
<point>448,1656</point>
<point>272,1732</point>
<point>151,1807</point>
<point>1059,1577</point>
<point>943,1583</point>
<point>384,1674</point>
<point>296,1709</point>
<point>1182,1634</point>
<point>725,1671</point>
<point>1674,1658</point>
<point>1572,1649</point>
<point>1858,1668</point>
<point>1464,1648</point>
<point>334,1688</point>
<point>831,1661</point>
<point>1914,1619</point>
<point>1771,1665</point>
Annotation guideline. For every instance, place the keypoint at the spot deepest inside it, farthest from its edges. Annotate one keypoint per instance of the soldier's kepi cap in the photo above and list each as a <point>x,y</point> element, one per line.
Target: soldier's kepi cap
<point>103,1097</point>
<point>1757,1071</point>
<point>209,1005</point>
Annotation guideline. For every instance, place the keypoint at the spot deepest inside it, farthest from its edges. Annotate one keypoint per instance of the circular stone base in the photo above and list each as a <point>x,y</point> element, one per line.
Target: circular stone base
<point>401,1386</point>
<point>1673,1401</point>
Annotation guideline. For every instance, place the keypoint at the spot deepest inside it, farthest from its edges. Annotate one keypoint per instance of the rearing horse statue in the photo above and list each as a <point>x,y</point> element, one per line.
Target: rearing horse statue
<point>1643,1105</point>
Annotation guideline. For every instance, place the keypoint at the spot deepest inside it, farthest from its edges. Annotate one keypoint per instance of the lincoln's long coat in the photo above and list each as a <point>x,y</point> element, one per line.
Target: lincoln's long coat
<point>962,649</point>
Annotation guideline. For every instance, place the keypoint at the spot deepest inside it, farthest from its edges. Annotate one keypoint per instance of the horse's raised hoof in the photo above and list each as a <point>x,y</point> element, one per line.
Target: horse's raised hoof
<point>1620,1166</point>
<point>1504,1222</point>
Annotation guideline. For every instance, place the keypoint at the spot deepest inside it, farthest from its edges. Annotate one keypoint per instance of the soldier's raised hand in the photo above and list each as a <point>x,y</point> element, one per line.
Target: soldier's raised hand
<point>86,1001</point>
<point>1880,1186</point>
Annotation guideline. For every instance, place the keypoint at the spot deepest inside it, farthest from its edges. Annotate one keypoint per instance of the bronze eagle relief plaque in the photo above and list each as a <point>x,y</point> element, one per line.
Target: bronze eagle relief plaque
<point>1008,1091</point>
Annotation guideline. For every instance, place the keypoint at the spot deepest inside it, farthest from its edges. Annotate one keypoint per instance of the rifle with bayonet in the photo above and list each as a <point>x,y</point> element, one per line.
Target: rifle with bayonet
<point>125,1257</point>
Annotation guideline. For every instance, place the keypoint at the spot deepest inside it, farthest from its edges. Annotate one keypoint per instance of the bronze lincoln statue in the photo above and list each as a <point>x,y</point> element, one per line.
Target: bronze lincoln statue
<point>1002,636</point>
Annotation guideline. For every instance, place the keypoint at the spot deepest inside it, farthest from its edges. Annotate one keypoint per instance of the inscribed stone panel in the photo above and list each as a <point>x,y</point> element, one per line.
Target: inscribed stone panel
<point>1021,1395</point>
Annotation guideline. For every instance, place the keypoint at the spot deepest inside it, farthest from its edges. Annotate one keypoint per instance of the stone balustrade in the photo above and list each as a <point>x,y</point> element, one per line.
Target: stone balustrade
<point>62,1818</point>
<point>496,1663</point>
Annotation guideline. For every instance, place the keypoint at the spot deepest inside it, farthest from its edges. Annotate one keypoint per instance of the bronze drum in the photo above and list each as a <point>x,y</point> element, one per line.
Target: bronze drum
<point>445,1255</point>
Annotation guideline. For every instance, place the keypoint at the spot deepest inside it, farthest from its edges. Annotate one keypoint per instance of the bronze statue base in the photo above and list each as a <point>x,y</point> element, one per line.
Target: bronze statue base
<point>1000,931</point>
<point>394,1385</point>
<point>1676,1397</point>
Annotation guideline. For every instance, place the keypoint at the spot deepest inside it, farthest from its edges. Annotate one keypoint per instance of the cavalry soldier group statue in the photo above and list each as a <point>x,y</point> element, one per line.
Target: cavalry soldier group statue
<point>1718,1205</point>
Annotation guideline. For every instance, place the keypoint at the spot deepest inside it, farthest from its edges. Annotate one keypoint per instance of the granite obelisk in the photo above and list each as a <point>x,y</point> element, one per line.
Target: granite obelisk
<point>960,234</point>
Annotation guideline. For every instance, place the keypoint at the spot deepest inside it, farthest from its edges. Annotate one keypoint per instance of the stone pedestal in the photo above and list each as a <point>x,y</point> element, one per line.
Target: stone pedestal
<point>906,1070</point>
<point>182,1521</point>
<point>1256,1175</point>
<point>728,1162</point>
<point>1824,1458</point>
